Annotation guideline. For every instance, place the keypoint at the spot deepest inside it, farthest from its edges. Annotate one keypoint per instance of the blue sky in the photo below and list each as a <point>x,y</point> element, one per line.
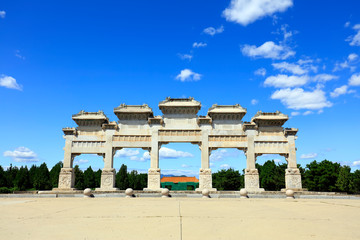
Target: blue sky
<point>299,57</point>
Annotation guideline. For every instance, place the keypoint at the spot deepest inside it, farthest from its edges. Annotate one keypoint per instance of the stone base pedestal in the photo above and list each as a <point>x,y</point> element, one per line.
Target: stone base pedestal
<point>66,180</point>
<point>205,180</point>
<point>252,184</point>
<point>153,180</point>
<point>293,179</point>
<point>107,180</point>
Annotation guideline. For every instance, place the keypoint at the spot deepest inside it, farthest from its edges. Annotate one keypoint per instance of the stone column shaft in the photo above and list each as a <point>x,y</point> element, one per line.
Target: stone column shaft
<point>154,170</point>
<point>108,173</point>
<point>292,173</point>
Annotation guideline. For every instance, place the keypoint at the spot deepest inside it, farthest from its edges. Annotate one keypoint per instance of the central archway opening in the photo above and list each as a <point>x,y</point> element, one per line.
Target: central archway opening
<point>227,166</point>
<point>271,168</point>
<point>179,164</point>
<point>87,170</point>
<point>131,166</point>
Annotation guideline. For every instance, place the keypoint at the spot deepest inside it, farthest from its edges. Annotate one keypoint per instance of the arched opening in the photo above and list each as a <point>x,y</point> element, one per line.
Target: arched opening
<point>227,165</point>
<point>131,166</point>
<point>271,168</point>
<point>179,164</point>
<point>87,171</point>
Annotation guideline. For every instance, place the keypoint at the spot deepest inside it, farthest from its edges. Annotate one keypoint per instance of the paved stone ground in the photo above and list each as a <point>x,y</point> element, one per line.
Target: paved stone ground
<point>178,218</point>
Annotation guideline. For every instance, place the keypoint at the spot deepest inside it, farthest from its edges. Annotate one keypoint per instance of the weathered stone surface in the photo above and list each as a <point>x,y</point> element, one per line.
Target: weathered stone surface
<point>293,179</point>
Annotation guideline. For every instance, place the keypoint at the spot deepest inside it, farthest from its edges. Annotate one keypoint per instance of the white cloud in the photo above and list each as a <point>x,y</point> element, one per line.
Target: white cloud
<point>225,166</point>
<point>299,99</point>
<point>245,12</point>
<point>165,152</point>
<point>188,75</point>
<point>127,152</point>
<point>260,72</point>
<point>289,67</point>
<point>352,57</point>
<point>339,91</point>
<point>254,101</point>
<point>356,163</point>
<point>185,56</point>
<point>199,44</point>
<point>355,80</point>
<point>355,40</point>
<point>9,82</point>
<point>309,155</point>
<point>212,31</point>
<point>2,14</point>
<point>308,113</point>
<point>284,81</point>
<point>295,114</point>
<point>267,50</point>
<point>347,24</point>
<point>22,154</point>
<point>81,161</point>
<point>18,55</point>
<point>324,77</point>
<point>222,154</point>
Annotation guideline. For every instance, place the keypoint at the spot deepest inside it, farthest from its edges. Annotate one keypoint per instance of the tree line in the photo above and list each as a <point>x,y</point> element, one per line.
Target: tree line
<point>324,176</point>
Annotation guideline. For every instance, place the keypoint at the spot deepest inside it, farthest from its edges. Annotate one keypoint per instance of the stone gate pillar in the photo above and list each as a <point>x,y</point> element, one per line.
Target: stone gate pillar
<point>292,173</point>
<point>66,176</point>
<point>205,176</point>
<point>154,170</point>
<point>108,172</point>
<point>251,173</point>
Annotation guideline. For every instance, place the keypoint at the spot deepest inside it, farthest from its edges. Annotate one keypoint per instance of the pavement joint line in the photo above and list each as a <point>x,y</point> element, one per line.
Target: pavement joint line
<point>180,221</point>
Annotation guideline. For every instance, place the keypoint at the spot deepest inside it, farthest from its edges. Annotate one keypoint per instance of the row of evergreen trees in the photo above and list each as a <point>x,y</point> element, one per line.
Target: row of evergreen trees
<point>321,176</point>
<point>324,176</point>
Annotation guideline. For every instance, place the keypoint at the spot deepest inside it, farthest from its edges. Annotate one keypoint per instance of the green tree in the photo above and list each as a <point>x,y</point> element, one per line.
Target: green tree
<point>54,174</point>
<point>356,181</point>
<point>134,180</point>
<point>79,178</point>
<point>321,176</point>
<point>22,179</point>
<point>42,178</point>
<point>142,180</point>
<point>89,178</point>
<point>98,178</point>
<point>3,182</point>
<point>228,179</point>
<point>11,175</point>
<point>32,173</point>
<point>122,180</point>
<point>344,181</point>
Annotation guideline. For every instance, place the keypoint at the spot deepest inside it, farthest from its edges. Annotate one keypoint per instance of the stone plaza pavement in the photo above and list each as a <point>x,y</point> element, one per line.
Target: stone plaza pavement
<point>178,218</point>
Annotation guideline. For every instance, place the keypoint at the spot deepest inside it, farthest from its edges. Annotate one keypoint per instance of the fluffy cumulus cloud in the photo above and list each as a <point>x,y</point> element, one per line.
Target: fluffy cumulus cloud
<point>2,14</point>
<point>9,82</point>
<point>297,98</point>
<point>285,81</point>
<point>245,12</point>
<point>127,152</point>
<point>340,91</point>
<point>355,80</point>
<point>267,50</point>
<point>260,72</point>
<point>172,153</point>
<point>309,155</point>
<point>289,67</point>
<point>212,31</point>
<point>352,57</point>
<point>22,154</point>
<point>356,163</point>
<point>355,39</point>
<point>199,44</point>
<point>188,75</point>
<point>222,154</point>
<point>348,63</point>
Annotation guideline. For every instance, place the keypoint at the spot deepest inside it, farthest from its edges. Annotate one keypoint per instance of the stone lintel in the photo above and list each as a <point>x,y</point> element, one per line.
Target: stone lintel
<point>69,131</point>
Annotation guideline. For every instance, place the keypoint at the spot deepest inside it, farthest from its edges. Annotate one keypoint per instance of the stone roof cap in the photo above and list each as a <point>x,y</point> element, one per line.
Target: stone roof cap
<point>82,115</point>
<point>123,108</point>
<point>179,102</point>
<point>270,118</point>
<point>227,109</point>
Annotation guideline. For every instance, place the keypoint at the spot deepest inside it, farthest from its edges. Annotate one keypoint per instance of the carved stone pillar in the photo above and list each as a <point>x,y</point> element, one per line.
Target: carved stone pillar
<point>107,182</point>
<point>154,170</point>
<point>66,179</point>
<point>292,173</point>
<point>251,173</point>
